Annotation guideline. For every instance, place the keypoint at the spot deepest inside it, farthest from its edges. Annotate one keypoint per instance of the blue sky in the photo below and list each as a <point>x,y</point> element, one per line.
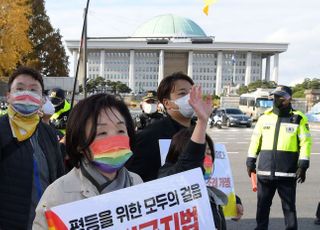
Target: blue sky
<point>289,21</point>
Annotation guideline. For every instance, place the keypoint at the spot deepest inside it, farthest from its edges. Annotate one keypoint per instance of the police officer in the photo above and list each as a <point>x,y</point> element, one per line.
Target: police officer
<point>282,140</point>
<point>62,109</point>
<point>150,114</point>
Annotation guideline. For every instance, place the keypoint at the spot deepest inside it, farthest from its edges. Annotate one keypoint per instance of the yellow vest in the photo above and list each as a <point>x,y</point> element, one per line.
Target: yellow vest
<point>283,143</point>
<point>57,114</point>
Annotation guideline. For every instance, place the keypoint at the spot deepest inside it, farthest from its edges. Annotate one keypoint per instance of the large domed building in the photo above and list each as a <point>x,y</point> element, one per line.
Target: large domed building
<point>169,26</point>
<point>169,43</point>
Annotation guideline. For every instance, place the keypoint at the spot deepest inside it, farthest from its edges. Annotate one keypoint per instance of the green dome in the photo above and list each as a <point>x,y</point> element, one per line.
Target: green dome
<point>169,25</point>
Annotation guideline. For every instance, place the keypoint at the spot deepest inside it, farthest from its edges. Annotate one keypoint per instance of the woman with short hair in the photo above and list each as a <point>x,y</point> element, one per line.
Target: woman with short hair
<point>99,137</point>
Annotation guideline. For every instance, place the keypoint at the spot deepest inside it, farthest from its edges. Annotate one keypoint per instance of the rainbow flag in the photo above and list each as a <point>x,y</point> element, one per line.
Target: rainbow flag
<point>54,222</point>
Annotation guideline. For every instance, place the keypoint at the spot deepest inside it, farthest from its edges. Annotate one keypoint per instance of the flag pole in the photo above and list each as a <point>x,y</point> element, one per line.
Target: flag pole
<point>234,69</point>
<point>82,42</point>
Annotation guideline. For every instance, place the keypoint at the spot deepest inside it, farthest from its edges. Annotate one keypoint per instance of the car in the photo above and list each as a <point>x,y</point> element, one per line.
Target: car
<point>234,117</point>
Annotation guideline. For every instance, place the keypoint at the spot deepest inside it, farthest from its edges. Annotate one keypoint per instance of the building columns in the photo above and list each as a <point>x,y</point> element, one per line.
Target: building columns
<point>267,71</point>
<point>275,68</point>
<point>75,61</point>
<point>161,66</point>
<point>190,64</point>
<point>248,69</point>
<point>102,58</point>
<point>131,71</point>
<point>219,73</point>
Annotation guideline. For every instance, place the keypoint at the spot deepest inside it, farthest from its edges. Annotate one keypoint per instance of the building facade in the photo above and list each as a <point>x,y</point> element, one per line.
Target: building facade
<point>170,43</point>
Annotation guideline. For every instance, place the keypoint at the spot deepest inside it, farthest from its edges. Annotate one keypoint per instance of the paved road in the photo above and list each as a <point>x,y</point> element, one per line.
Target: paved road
<point>308,194</point>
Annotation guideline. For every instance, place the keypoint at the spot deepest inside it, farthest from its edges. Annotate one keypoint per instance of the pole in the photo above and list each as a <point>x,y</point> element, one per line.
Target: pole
<point>80,52</point>
<point>85,56</point>
<point>234,70</point>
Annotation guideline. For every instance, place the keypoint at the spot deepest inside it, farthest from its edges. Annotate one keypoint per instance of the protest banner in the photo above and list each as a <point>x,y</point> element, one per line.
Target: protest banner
<point>177,202</point>
<point>221,177</point>
<point>223,180</point>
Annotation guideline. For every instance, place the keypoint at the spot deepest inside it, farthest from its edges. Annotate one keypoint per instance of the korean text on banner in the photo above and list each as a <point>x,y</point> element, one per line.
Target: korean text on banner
<point>179,201</point>
<point>223,180</point>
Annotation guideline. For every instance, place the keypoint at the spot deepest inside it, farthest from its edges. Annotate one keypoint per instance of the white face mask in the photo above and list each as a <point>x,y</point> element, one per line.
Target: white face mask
<point>48,107</point>
<point>149,108</point>
<point>184,107</point>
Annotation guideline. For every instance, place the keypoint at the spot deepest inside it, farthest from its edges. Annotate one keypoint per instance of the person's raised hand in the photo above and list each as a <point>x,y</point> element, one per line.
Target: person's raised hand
<point>202,107</point>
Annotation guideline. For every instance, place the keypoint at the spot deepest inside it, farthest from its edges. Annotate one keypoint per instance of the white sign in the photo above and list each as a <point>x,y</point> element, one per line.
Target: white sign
<point>164,145</point>
<point>223,180</point>
<point>179,201</point>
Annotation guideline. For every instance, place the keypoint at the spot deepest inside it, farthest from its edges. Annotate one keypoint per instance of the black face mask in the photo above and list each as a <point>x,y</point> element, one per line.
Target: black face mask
<point>278,102</point>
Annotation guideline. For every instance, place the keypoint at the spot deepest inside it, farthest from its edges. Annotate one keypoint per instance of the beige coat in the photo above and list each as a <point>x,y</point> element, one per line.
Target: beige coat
<point>71,187</point>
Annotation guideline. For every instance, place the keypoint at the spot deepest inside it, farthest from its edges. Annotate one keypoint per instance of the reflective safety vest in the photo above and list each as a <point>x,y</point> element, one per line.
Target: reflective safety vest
<point>282,143</point>
<point>57,116</point>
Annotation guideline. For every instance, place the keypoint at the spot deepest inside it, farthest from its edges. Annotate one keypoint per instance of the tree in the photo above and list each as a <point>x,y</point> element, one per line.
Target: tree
<point>118,87</point>
<point>261,84</point>
<point>243,89</point>
<point>298,89</point>
<point>14,42</point>
<point>123,88</point>
<point>94,85</point>
<point>48,54</point>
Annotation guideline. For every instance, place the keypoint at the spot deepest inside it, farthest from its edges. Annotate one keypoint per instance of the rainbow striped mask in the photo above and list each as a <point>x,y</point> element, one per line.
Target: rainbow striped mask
<point>110,153</point>
<point>208,167</point>
<point>26,102</point>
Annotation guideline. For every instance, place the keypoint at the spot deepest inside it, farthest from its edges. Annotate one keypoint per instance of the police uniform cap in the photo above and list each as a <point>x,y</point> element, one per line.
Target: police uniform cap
<point>56,95</point>
<point>150,95</point>
<point>282,91</point>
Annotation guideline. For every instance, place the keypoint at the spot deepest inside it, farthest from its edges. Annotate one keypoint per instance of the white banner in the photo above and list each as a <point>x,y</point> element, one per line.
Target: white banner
<point>223,180</point>
<point>176,202</point>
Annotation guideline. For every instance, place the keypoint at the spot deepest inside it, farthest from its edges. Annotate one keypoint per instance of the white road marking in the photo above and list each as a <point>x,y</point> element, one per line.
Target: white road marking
<point>232,152</point>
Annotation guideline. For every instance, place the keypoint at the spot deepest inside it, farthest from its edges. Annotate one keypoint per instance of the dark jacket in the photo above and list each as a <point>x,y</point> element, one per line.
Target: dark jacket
<point>146,159</point>
<point>16,172</point>
<point>143,120</point>
<point>193,157</point>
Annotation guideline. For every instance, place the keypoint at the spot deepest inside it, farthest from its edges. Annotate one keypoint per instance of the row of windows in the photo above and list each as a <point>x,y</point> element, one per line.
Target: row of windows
<point>117,54</point>
<point>203,70</point>
<point>146,62</point>
<point>156,55</point>
<point>116,76</point>
<point>205,62</point>
<point>94,54</point>
<point>201,77</point>
<point>116,62</point>
<point>147,77</point>
<point>150,69</point>
<point>124,69</point>
<point>196,63</point>
<point>142,84</point>
<point>146,55</point>
<point>93,69</point>
<point>204,55</point>
<point>109,54</point>
<point>206,84</point>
